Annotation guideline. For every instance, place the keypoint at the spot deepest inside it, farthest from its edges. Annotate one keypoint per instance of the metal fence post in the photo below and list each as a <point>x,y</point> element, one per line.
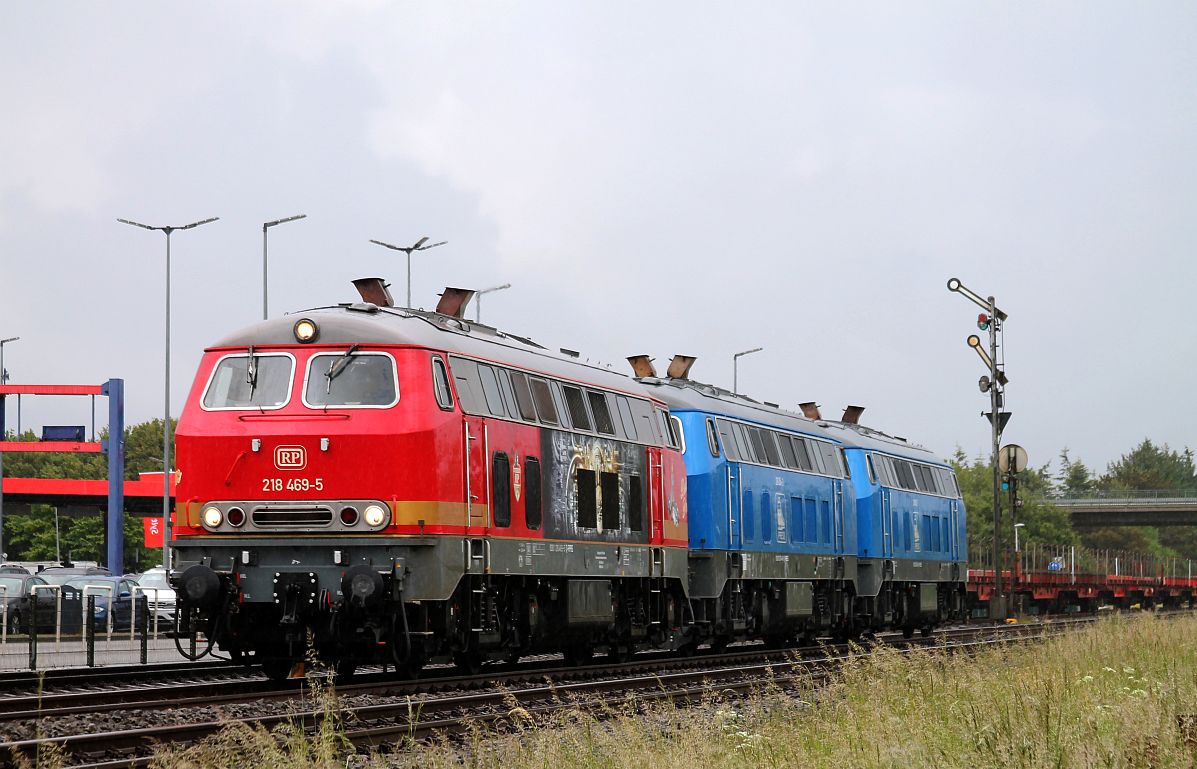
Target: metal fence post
<point>143,608</point>
<point>89,630</point>
<point>33,635</point>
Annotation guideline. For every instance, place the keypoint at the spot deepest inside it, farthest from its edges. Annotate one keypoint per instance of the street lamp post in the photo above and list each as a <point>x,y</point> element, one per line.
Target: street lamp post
<point>266,227</point>
<point>418,246</point>
<point>736,367</point>
<point>3,437</point>
<point>167,230</point>
<point>478,296</point>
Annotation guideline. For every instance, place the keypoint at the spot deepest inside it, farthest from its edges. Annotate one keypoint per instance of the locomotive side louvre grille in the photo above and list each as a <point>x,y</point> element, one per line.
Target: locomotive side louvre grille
<point>300,516</point>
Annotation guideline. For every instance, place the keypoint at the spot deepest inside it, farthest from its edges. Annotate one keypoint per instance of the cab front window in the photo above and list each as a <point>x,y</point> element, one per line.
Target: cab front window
<point>258,381</point>
<point>351,379</point>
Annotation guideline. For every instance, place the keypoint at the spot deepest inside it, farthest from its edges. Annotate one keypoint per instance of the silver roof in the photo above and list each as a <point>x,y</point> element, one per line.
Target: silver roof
<point>368,324</point>
<point>689,395</point>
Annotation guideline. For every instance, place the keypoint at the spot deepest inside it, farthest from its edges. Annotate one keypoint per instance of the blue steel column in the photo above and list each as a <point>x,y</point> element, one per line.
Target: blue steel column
<point>115,448</point>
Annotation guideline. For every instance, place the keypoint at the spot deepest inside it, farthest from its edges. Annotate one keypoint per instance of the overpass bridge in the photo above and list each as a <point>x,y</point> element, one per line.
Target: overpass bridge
<point>1131,508</point>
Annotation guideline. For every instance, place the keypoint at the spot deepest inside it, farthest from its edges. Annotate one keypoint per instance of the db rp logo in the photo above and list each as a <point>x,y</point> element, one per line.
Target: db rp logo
<point>290,457</point>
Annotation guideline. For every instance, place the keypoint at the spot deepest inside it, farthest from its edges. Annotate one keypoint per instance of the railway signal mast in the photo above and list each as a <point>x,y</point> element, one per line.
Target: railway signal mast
<point>994,383</point>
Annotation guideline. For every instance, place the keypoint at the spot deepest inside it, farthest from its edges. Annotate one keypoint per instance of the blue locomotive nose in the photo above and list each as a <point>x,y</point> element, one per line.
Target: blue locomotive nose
<point>200,586</point>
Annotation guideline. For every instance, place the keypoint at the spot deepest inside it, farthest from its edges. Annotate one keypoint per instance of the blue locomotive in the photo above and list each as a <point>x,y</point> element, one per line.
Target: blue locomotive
<point>801,526</point>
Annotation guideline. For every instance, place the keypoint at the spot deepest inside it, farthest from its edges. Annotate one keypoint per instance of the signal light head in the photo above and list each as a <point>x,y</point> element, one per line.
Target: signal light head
<point>306,330</point>
<point>983,322</point>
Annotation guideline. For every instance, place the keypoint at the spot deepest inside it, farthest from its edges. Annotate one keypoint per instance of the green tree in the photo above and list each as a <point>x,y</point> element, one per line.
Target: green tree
<point>1149,467</point>
<point>1074,478</point>
<point>1045,522</point>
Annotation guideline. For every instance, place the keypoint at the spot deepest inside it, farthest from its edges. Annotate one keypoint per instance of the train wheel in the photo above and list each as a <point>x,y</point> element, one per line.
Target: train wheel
<point>578,655</point>
<point>618,654</point>
<point>276,669</point>
<point>469,663</point>
<point>925,630</point>
<point>908,631</point>
<point>345,669</point>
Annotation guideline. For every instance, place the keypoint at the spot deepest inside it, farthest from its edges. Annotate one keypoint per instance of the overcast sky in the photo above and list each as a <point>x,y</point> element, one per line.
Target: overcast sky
<point>651,177</point>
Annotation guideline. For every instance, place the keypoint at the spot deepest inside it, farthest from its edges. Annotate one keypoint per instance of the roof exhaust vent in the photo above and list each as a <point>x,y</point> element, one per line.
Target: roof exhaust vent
<point>642,365</point>
<point>374,291</point>
<point>852,415</point>
<point>679,367</point>
<point>454,301</point>
<point>810,410</point>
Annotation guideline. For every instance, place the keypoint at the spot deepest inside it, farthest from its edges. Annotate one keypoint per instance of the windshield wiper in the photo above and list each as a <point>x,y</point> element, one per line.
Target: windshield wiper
<point>251,372</point>
<point>338,366</point>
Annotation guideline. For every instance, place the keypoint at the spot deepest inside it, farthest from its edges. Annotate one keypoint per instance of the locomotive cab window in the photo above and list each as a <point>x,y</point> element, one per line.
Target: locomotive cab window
<point>729,440</point>
<point>351,379</point>
<point>440,385</point>
<point>258,381</point>
<point>490,391</point>
<point>678,435</point>
<point>712,438</point>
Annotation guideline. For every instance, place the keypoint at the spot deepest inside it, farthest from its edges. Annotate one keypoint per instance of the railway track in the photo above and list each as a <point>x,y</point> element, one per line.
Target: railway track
<point>376,711</point>
<point>15,682</point>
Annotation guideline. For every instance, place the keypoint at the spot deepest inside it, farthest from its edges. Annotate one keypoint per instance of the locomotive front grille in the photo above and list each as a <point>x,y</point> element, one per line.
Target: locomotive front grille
<point>277,516</point>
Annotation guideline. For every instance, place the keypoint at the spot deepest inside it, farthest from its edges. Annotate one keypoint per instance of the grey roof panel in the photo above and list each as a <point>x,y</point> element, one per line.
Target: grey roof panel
<point>689,395</point>
<point>367,324</point>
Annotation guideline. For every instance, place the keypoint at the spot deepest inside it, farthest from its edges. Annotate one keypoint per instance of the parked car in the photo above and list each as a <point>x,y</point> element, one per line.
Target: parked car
<point>12,568</point>
<point>160,595</point>
<point>18,600</point>
<point>113,594</point>
<point>60,575</point>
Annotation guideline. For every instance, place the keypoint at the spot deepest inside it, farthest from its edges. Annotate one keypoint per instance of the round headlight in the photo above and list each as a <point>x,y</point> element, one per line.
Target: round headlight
<point>375,515</point>
<point>348,515</point>
<point>306,330</point>
<point>236,516</point>
<point>212,517</point>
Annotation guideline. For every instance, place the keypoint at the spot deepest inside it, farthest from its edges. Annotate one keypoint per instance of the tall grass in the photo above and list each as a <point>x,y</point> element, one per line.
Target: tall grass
<point>1122,694</point>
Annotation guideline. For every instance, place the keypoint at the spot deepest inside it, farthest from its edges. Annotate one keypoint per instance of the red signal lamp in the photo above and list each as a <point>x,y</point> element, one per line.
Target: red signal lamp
<point>983,322</point>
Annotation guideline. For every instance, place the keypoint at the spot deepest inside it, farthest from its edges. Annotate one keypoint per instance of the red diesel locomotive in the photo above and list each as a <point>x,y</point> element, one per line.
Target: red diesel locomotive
<point>379,484</point>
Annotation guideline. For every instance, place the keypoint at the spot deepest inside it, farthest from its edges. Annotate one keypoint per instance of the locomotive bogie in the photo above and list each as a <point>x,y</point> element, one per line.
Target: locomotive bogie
<point>415,605</point>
